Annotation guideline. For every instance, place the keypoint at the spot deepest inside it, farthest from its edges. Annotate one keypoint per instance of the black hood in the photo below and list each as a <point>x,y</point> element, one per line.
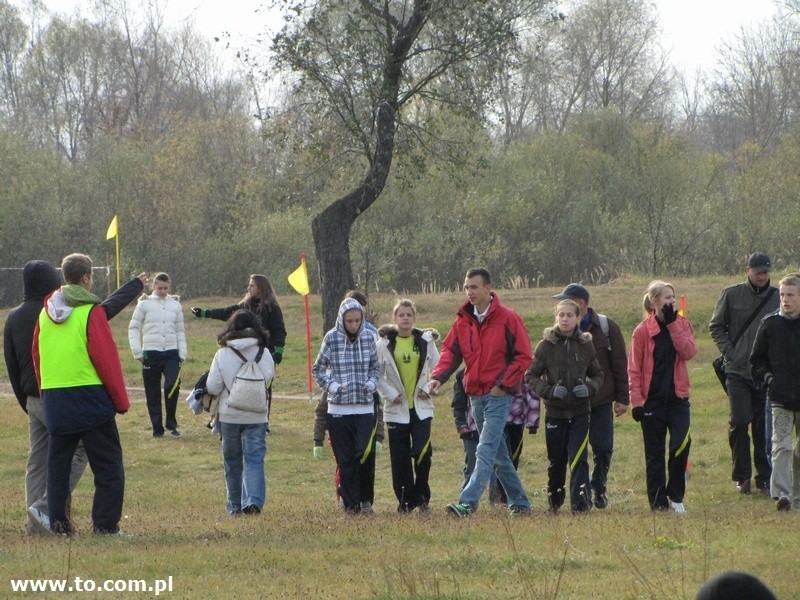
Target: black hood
<point>39,279</point>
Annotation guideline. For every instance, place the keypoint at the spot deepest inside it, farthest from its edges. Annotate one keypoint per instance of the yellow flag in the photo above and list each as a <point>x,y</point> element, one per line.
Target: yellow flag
<point>112,229</point>
<point>299,279</point>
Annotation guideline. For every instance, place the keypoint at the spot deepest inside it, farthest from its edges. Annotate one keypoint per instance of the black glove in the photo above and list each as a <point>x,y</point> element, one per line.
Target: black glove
<point>637,413</point>
<point>581,391</point>
<point>277,358</point>
<point>533,429</point>
<point>559,392</point>
<point>465,435</point>
<point>669,313</point>
<point>197,312</point>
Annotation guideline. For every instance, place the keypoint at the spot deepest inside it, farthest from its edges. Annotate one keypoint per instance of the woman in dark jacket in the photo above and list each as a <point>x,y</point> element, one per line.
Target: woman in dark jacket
<point>565,373</point>
<point>259,299</point>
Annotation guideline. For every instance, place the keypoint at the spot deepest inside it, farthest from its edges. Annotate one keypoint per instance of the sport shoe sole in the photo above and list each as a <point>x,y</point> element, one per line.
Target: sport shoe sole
<point>459,510</point>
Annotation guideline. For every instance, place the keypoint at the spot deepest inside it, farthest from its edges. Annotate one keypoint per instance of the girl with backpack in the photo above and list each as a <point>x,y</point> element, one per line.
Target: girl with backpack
<point>242,424</point>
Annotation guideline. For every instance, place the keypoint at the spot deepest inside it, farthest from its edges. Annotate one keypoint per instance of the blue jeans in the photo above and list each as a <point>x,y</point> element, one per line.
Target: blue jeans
<point>491,413</point>
<point>244,448</point>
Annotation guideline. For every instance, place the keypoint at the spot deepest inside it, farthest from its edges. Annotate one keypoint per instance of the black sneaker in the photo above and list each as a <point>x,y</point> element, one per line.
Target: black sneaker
<point>175,433</point>
<point>459,510</point>
<point>743,486</point>
<point>600,501</point>
<point>158,434</point>
<point>251,509</point>
<point>405,507</point>
<point>783,503</point>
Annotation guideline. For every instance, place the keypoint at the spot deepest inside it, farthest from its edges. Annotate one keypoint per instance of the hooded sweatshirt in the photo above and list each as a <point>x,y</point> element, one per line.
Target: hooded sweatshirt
<point>77,363</point>
<point>39,279</point>
<point>347,365</point>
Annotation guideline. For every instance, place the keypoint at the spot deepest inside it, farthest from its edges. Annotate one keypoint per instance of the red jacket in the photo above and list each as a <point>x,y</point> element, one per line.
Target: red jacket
<point>497,352</point>
<point>640,359</point>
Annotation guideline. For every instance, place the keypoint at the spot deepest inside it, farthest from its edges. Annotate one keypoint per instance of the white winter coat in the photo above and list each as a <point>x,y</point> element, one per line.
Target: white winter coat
<point>160,322</point>
<point>223,371</point>
<point>390,386</point>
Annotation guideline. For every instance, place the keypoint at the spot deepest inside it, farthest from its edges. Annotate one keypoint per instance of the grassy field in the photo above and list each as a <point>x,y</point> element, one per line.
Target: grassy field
<point>302,547</point>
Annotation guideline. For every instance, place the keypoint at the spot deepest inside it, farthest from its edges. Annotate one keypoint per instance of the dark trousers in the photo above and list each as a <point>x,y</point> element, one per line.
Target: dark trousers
<point>567,446</point>
<point>104,452</point>
<point>410,452</point>
<point>747,410</point>
<point>666,481</point>
<point>156,365</point>
<point>601,439</point>
<point>354,449</point>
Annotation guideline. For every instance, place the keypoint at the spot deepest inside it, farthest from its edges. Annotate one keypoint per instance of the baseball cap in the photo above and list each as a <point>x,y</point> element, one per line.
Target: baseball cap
<point>759,262</point>
<point>573,290</point>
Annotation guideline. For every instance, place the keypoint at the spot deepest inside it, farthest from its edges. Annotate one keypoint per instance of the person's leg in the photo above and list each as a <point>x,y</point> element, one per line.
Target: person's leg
<point>654,434</point>
<point>796,460</point>
<point>343,433</point>
<point>781,480</point>
<point>366,428</point>
<point>104,452</point>
<point>768,431</point>
<point>759,429</point>
<point>470,450</point>
<point>400,459</point>
<point>254,451</point>
<point>739,419</point>
<point>36,470</point>
<point>497,494</point>
<point>233,461</point>
<point>491,420</point>
<point>580,493</point>
<point>555,435</point>
<point>172,388</point>
<point>515,439</point>
<point>421,454</point>
<point>678,423</point>
<point>601,438</point>
<point>152,369</point>
<point>497,410</point>
<point>60,449</point>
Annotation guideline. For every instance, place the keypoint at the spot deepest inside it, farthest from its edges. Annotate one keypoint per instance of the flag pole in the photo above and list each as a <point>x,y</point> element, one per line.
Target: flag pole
<point>308,338</point>
<point>117,246</point>
<point>298,279</point>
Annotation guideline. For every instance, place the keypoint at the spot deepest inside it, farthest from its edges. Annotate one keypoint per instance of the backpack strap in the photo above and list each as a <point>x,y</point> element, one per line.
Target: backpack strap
<point>604,326</point>
<point>241,356</point>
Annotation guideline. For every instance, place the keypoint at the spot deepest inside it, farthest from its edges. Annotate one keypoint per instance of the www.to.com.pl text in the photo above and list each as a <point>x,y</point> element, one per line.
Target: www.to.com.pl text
<point>78,584</point>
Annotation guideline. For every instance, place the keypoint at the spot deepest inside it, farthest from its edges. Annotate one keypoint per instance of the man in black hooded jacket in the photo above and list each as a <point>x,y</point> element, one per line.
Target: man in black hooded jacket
<point>40,279</point>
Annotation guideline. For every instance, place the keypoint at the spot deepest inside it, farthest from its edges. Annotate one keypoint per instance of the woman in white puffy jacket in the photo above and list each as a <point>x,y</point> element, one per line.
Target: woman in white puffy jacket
<point>158,341</point>
<point>407,356</point>
<point>244,432</point>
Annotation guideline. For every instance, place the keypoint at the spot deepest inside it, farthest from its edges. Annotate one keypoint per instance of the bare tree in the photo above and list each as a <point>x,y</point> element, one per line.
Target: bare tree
<point>362,63</point>
<point>753,87</point>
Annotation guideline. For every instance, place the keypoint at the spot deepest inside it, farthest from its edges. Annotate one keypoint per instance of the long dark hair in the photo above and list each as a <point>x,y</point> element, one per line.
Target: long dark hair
<point>243,323</point>
<point>266,295</point>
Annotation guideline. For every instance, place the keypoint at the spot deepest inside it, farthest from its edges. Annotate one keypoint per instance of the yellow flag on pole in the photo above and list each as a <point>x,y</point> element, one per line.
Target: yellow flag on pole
<point>299,279</point>
<point>113,228</point>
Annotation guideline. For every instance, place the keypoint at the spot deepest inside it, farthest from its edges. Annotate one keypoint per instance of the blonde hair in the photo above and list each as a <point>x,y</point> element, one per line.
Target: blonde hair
<point>654,291</point>
<point>791,279</point>
<point>571,303</point>
<point>404,302</point>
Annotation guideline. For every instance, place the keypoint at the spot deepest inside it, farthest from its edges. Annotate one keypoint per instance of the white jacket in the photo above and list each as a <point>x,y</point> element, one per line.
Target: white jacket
<point>390,386</point>
<point>160,322</point>
<point>223,371</point>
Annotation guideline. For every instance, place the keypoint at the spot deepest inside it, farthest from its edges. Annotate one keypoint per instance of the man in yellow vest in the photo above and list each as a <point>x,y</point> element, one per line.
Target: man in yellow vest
<point>80,377</point>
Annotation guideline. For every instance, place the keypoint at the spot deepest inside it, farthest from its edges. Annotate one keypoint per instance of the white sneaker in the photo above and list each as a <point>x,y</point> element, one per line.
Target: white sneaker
<point>40,520</point>
<point>677,507</point>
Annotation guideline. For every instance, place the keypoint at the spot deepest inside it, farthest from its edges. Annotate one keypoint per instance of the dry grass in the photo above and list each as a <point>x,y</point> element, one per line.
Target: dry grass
<point>302,547</point>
